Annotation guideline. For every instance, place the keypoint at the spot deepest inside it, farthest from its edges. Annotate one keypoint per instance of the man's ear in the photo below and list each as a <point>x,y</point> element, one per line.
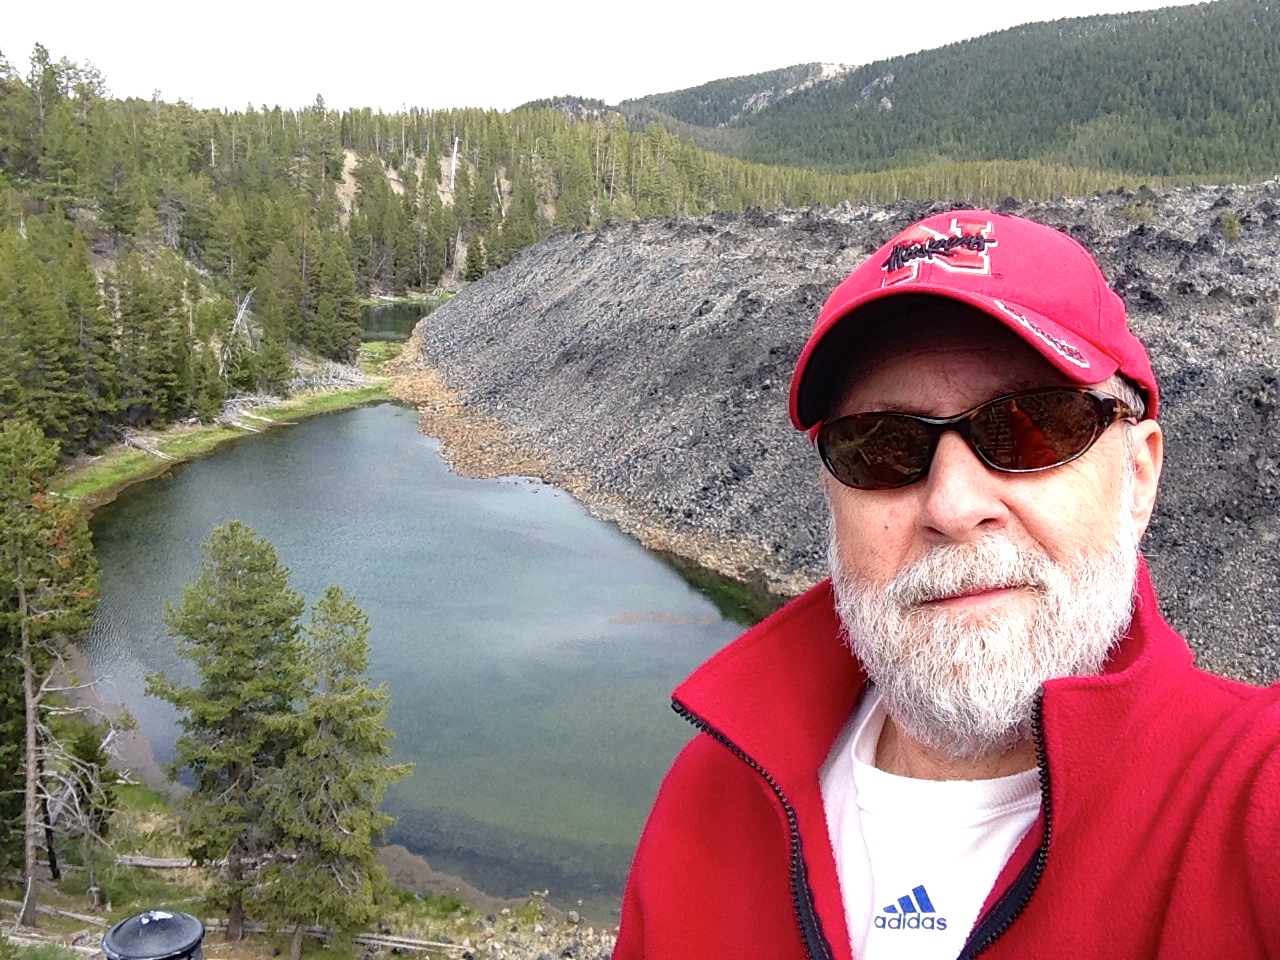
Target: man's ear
<point>1148,459</point>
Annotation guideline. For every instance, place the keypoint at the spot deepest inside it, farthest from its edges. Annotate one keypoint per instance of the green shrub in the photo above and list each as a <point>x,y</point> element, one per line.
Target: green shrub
<point>1138,211</point>
<point>131,890</point>
<point>1229,224</point>
<point>532,912</point>
<point>134,796</point>
<point>442,905</point>
<point>413,907</point>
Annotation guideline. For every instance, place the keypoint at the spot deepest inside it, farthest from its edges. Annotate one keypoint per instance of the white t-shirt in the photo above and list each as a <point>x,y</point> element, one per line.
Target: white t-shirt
<point>916,858</point>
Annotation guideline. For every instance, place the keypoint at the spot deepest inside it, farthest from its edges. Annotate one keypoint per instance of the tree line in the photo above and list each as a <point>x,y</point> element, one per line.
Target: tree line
<point>156,258</point>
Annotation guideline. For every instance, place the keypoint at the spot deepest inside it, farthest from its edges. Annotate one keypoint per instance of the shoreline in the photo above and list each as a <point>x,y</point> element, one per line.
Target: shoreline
<point>476,446</point>
<point>99,480</point>
<point>134,756</point>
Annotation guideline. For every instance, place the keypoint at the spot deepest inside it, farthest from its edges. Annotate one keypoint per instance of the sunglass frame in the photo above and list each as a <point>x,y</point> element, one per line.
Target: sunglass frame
<point>1108,410</point>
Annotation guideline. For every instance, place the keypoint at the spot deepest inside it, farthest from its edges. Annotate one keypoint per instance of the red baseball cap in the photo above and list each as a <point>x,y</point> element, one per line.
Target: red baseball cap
<point>1037,281</point>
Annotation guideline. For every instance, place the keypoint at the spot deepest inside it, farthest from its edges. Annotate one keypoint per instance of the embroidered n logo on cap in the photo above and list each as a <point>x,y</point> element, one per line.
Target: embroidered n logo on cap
<point>963,249</point>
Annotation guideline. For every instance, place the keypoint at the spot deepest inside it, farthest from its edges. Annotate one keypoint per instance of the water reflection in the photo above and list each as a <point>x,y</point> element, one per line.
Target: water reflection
<point>529,648</point>
<point>391,321</point>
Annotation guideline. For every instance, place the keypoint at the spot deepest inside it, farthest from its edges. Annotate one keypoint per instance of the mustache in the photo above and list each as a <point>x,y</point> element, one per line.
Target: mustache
<point>991,563</point>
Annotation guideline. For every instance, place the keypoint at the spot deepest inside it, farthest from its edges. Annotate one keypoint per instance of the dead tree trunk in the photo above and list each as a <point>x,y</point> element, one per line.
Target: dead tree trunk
<point>50,850</point>
<point>30,818</point>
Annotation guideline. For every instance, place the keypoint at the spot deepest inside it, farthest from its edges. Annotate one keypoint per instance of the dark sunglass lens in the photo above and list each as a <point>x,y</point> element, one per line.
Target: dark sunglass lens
<point>1038,429</point>
<point>875,451</point>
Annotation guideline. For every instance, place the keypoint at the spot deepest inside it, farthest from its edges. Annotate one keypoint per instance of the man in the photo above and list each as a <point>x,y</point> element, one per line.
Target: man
<point>981,738</point>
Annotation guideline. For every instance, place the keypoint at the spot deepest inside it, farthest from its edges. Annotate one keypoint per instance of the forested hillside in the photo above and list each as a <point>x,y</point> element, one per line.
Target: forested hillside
<point>156,258</point>
<point>133,232</point>
<point>1184,90</point>
<point>722,102</point>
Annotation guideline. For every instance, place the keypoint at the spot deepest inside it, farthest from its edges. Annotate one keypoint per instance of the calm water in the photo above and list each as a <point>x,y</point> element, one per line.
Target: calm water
<point>529,649</point>
<point>391,321</point>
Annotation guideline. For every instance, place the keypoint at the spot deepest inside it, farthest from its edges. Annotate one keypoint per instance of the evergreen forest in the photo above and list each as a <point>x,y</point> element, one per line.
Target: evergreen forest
<point>1180,91</point>
<point>156,258</point>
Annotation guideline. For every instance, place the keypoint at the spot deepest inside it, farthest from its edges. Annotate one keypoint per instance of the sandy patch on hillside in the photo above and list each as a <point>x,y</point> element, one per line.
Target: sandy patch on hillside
<point>346,187</point>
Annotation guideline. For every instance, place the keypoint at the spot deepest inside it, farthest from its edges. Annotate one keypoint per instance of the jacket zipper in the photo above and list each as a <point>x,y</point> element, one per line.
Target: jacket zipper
<point>1016,898</point>
<point>816,945</point>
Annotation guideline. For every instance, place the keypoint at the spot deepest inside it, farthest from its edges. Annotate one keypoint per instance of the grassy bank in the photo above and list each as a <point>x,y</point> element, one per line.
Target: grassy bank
<point>144,823</point>
<point>99,480</point>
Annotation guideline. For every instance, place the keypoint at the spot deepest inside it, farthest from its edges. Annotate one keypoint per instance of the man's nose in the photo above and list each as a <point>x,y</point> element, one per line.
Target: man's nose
<point>962,496</point>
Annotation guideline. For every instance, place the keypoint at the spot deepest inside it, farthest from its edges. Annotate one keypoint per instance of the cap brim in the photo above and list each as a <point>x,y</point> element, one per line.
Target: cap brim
<point>823,359</point>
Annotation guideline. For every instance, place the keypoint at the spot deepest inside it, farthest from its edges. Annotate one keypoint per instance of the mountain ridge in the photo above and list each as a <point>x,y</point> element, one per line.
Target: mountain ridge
<point>1174,91</point>
<point>722,102</point>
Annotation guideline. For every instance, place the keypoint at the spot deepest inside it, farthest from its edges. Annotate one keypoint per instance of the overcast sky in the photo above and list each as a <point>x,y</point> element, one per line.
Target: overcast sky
<point>496,54</point>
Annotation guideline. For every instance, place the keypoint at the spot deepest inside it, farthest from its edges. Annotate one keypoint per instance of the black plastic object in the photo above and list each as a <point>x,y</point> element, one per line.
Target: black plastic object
<point>155,935</point>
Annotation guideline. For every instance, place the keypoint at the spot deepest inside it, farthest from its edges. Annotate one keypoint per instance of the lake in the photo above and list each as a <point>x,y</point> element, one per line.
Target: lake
<point>529,649</point>
<point>394,320</point>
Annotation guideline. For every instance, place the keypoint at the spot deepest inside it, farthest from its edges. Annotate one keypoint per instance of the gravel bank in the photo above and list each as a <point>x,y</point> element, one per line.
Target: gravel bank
<point>645,366</point>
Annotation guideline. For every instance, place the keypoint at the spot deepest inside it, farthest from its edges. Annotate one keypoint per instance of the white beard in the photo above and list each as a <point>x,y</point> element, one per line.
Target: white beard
<point>963,683</point>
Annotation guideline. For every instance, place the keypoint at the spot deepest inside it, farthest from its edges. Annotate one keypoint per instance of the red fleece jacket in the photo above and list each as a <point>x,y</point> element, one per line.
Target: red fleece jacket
<point>1159,833</point>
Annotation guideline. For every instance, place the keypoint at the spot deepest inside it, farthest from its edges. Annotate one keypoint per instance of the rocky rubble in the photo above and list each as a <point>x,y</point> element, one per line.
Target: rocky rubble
<point>647,364</point>
<point>502,937</point>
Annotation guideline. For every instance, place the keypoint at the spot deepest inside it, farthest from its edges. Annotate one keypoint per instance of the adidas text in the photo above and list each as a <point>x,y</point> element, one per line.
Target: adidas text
<point>913,921</point>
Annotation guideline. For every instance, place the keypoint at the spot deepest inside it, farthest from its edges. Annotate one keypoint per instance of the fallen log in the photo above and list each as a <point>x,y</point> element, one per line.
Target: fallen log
<point>55,912</point>
<point>132,441</point>
<point>163,863</point>
<point>29,938</point>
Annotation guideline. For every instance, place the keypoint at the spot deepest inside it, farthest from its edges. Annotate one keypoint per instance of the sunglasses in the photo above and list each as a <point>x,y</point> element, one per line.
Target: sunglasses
<point>1017,433</point>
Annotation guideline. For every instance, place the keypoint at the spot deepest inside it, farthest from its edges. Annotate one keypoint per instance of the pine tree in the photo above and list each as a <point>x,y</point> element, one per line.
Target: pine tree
<point>48,591</point>
<point>41,371</point>
<point>334,330</point>
<point>238,623</point>
<point>210,390</point>
<point>117,186</point>
<point>475,265</point>
<point>278,294</point>
<point>64,160</point>
<point>97,373</point>
<point>322,802</point>
<point>157,370</point>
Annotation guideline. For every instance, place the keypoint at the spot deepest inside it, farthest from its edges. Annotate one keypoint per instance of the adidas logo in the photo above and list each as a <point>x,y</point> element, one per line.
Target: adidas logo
<point>915,911</point>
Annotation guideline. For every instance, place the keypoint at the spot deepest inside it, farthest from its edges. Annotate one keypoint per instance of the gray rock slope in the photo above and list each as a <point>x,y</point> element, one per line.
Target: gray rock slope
<point>653,359</point>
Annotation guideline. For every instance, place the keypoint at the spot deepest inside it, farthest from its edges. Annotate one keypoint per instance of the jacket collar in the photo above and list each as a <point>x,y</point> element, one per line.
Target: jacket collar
<point>1088,720</point>
<point>783,690</point>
